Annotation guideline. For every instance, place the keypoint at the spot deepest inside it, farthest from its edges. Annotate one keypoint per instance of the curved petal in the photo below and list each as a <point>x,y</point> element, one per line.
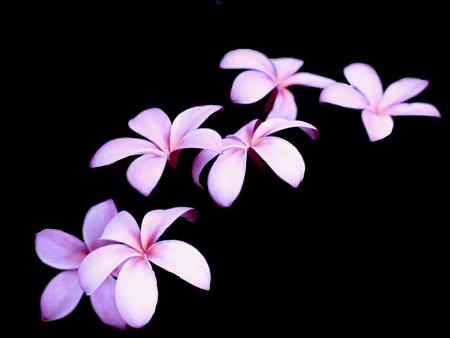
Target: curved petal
<point>183,260</point>
<point>366,80</point>
<point>284,106</point>
<point>61,296</point>
<point>124,229</point>
<point>145,172</point>
<point>226,176</point>
<point>413,109</point>
<point>95,222</point>
<point>202,138</point>
<point>308,80</point>
<point>273,125</point>
<point>103,301</point>
<point>251,86</point>
<point>99,264</point>
<point>59,250</point>
<point>247,59</point>
<point>156,222</point>
<point>343,95</point>
<point>189,120</point>
<point>286,67</point>
<point>200,162</point>
<point>284,159</point>
<point>402,90</point>
<point>119,148</point>
<point>153,124</point>
<point>245,134</point>
<point>377,127</point>
<point>136,292</point>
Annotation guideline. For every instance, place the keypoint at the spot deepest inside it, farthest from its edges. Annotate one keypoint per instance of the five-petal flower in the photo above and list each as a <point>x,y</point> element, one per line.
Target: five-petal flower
<point>366,92</point>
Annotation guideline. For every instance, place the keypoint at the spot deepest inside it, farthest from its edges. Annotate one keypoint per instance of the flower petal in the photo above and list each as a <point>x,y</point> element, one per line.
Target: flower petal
<point>284,106</point>
<point>188,121</point>
<point>245,134</point>
<point>202,138</point>
<point>183,260</point>
<point>286,67</point>
<point>61,296</point>
<point>136,292</point>
<point>226,176</point>
<point>59,250</point>
<point>251,86</point>
<point>364,78</point>
<point>145,172</point>
<point>103,301</point>
<point>413,109</point>
<point>247,59</point>
<point>308,80</point>
<point>153,124</point>
<point>275,124</point>
<point>119,148</point>
<point>200,162</point>
<point>124,229</point>
<point>343,95</point>
<point>283,158</point>
<point>95,222</point>
<point>402,90</point>
<point>99,264</point>
<point>156,222</point>
<point>377,126</point>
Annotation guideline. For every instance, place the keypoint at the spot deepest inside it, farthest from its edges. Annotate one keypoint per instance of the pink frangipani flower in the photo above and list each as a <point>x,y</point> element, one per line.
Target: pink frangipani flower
<point>63,251</point>
<point>269,76</point>
<point>165,141</point>
<point>226,176</point>
<point>366,92</point>
<point>136,289</point>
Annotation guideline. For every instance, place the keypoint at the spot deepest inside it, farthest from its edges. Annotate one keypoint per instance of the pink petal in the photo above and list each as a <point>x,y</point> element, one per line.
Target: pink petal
<point>95,222</point>
<point>247,59</point>
<point>308,80</point>
<point>284,106</point>
<point>275,124</point>
<point>200,162</point>
<point>283,158</point>
<point>226,177</point>
<point>183,260</point>
<point>120,148</point>
<point>153,124</point>
<point>202,138</point>
<point>61,296</point>
<point>124,229</point>
<point>60,250</point>
<point>145,172</point>
<point>343,95</point>
<point>188,121</point>
<point>103,301</point>
<point>366,80</point>
<point>251,86</point>
<point>286,67</point>
<point>246,132</point>
<point>413,109</point>
<point>402,90</point>
<point>136,292</point>
<point>156,222</point>
<point>98,265</point>
<point>377,126</point>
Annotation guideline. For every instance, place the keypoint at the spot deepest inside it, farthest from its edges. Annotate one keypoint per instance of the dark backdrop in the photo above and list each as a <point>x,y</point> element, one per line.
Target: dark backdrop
<point>358,247</point>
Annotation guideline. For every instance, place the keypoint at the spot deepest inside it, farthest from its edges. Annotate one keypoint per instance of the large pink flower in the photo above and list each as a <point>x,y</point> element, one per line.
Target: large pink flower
<point>269,75</point>
<point>136,290</point>
<point>66,252</point>
<point>226,176</point>
<point>165,141</point>
<point>366,92</point>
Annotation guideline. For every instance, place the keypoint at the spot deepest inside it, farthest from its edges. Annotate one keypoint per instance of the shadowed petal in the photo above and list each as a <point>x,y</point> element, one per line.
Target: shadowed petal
<point>286,67</point>
<point>308,80</point>
<point>251,86</point>
<point>247,59</point>
<point>95,222</point>
<point>200,162</point>
<point>402,90</point>
<point>124,229</point>
<point>377,127</point>
<point>145,172</point>
<point>366,80</point>
<point>413,109</point>
<point>202,138</point>
<point>153,124</point>
<point>343,95</point>
<point>284,106</point>
<point>275,124</point>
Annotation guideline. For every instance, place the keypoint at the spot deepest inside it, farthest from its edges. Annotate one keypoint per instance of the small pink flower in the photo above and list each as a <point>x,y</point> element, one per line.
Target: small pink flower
<point>226,176</point>
<point>136,289</point>
<point>366,92</point>
<point>66,252</point>
<point>166,140</point>
<point>269,75</point>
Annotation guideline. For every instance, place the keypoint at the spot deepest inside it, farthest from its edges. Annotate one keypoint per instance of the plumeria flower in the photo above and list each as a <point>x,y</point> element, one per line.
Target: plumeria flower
<point>65,252</point>
<point>366,92</point>
<point>269,76</point>
<point>165,141</point>
<point>226,176</point>
<point>136,289</point>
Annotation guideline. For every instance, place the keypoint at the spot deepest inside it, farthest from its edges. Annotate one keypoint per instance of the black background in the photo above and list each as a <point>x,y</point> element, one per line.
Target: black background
<point>358,247</point>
